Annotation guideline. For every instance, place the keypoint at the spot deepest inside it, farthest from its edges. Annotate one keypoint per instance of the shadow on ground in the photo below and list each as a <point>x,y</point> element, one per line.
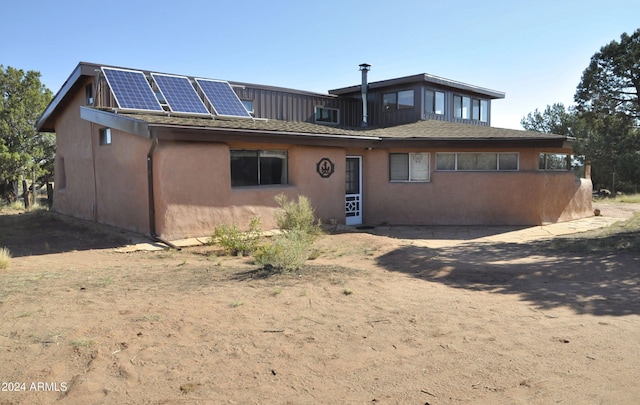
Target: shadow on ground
<point>601,283</point>
<point>42,232</point>
<point>444,232</point>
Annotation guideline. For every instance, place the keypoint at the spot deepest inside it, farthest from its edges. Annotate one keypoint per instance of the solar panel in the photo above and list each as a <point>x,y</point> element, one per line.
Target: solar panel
<point>222,98</point>
<point>179,94</point>
<point>131,90</point>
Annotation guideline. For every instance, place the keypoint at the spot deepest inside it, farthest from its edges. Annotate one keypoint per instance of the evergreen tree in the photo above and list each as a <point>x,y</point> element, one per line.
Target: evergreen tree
<point>23,98</point>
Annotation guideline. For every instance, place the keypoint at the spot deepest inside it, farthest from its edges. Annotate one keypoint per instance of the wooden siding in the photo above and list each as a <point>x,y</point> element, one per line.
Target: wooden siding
<point>377,116</point>
<point>291,106</point>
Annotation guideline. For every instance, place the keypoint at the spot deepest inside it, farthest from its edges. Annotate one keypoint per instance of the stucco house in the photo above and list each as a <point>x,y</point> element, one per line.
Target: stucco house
<point>175,156</point>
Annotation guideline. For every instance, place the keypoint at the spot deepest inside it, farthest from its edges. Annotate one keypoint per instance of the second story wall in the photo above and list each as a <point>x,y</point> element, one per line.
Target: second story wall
<point>290,105</point>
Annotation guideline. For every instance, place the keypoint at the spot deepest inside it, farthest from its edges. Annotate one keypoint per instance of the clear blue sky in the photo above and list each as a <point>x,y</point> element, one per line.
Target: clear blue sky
<point>534,51</point>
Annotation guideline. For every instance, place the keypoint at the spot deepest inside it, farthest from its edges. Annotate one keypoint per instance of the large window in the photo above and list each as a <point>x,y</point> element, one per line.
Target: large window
<point>398,100</point>
<point>327,115</point>
<point>470,108</point>
<point>481,161</point>
<point>258,167</point>
<point>434,102</point>
<point>554,161</point>
<point>409,167</point>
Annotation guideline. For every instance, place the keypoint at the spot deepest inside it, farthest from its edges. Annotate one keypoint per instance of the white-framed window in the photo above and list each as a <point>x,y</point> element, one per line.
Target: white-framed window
<point>409,167</point>
<point>258,167</point>
<point>434,102</point>
<point>248,104</point>
<point>325,115</point>
<point>478,161</point>
<point>398,100</point>
<point>105,136</point>
<point>555,161</point>
<point>470,108</point>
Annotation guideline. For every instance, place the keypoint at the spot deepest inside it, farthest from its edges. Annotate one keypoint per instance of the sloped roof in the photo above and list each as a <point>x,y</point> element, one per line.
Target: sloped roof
<point>427,131</point>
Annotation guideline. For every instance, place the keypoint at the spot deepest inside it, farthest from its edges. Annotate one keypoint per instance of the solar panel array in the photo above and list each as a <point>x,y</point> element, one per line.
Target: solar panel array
<point>131,90</point>
<point>179,94</point>
<point>222,98</point>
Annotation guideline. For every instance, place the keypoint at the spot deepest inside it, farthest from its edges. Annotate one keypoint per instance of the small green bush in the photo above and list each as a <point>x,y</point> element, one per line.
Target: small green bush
<point>296,215</point>
<point>285,253</point>
<point>234,241</point>
<point>5,258</point>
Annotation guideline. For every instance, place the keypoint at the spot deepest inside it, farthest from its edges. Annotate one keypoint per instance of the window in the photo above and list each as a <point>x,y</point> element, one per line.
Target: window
<point>434,102</point>
<point>248,104</point>
<point>389,101</point>
<point>461,107</point>
<point>409,167</point>
<point>398,100</point>
<point>88,91</point>
<point>475,110</point>
<point>327,115</point>
<point>484,110</point>
<point>105,136</point>
<point>471,108</point>
<point>481,161</point>
<point>60,175</point>
<point>554,161</point>
<point>258,167</point>
<point>405,99</point>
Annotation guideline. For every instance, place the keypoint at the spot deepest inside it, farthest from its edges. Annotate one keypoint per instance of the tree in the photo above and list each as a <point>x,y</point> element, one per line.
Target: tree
<point>611,82</point>
<point>23,98</point>
<point>608,108</point>
<point>555,119</point>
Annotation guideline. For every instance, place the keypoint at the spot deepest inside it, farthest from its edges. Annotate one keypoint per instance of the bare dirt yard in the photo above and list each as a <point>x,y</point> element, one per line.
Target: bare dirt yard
<point>376,318</point>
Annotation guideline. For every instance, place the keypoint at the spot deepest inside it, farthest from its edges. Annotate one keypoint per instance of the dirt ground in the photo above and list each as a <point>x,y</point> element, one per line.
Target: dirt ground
<point>375,318</point>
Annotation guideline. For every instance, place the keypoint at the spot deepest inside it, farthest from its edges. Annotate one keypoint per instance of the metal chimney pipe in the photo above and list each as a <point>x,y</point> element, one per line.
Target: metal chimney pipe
<point>364,68</point>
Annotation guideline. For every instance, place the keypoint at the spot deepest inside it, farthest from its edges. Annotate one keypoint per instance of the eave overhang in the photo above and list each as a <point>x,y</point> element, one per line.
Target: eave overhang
<point>459,143</point>
<point>45,123</point>
<point>422,78</point>
<point>171,132</point>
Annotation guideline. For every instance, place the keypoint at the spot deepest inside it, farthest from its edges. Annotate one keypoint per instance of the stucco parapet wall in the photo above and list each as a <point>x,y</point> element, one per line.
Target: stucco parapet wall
<point>427,129</point>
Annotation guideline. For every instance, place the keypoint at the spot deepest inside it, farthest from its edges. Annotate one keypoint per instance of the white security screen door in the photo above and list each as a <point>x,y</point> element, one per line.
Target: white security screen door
<point>353,191</point>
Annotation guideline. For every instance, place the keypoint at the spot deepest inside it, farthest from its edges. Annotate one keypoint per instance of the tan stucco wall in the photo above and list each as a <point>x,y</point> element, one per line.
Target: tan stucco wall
<point>103,183</point>
<point>193,192</point>
<point>525,197</point>
<point>74,192</point>
<point>121,178</point>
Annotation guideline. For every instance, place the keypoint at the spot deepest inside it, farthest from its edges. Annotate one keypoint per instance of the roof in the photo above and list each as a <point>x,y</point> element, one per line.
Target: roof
<point>207,128</point>
<point>422,77</point>
<point>431,131</point>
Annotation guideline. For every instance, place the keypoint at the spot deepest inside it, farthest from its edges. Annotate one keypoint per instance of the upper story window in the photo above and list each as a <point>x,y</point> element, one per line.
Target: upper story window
<point>248,104</point>
<point>88,91</point>
<point>434,102</point>
<point>398,100</point>
<point>470,108</point>
<point>258,167</point>
<point>326,115</point>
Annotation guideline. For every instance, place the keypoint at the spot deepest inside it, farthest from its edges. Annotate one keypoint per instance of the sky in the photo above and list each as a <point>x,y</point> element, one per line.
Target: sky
<point>534,51</point>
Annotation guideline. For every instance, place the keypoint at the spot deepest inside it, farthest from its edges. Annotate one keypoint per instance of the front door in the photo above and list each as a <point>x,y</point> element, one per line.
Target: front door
<point>353,191</point>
